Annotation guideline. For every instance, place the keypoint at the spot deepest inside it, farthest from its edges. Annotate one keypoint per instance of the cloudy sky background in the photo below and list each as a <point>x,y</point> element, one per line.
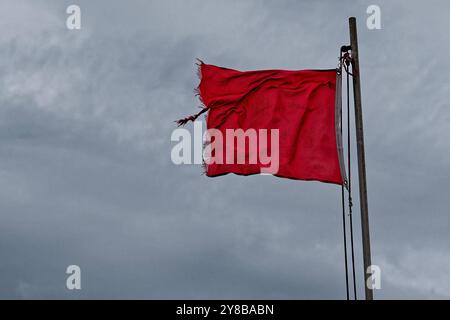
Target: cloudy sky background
<point>86,176</point>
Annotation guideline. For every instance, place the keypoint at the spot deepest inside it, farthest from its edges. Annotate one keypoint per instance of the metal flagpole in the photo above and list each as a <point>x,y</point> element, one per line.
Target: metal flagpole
<point>361,156</point>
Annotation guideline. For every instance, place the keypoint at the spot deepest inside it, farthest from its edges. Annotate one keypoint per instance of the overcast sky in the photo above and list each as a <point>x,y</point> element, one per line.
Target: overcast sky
<point>86,176</point>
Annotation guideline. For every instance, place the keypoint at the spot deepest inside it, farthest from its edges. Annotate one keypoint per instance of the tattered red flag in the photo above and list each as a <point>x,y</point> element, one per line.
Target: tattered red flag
<point>303,106</point>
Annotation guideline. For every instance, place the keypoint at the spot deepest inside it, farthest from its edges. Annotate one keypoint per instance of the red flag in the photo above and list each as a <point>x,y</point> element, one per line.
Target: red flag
<point>300,104</point>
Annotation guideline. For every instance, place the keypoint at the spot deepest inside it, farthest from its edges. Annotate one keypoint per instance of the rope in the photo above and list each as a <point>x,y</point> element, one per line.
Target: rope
<point>347,61</point>
<point>345,241</point>
<point>192,118</point>
<point>343,208</point>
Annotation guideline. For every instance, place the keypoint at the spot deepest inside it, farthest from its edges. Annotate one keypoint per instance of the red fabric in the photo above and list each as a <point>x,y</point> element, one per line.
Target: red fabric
<point>301,104</point>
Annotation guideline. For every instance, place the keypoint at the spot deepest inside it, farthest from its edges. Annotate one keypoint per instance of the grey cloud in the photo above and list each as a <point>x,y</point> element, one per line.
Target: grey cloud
<point>85,124</point>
